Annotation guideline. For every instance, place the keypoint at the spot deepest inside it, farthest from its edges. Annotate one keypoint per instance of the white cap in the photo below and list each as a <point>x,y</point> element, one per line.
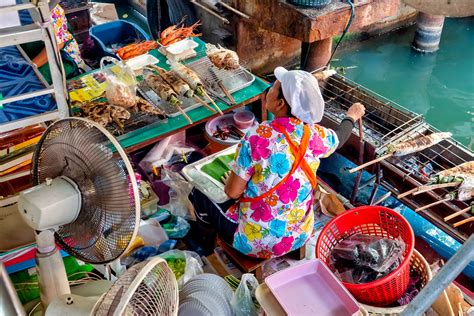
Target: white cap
<point>301,91</point>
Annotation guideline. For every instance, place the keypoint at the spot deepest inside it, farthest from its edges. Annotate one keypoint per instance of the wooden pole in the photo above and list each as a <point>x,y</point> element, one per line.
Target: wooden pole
<point>433,204</point>
<point>470,219</point>
<point>447,218</point>
<point>370,163</point>
<point>427,188</point>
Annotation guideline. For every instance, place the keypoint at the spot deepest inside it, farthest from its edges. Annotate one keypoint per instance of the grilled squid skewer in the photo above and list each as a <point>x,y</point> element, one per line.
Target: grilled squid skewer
<point>408,147</point>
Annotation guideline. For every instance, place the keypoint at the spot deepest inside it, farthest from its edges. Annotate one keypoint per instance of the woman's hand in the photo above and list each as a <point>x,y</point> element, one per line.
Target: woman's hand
<point>356,111</point>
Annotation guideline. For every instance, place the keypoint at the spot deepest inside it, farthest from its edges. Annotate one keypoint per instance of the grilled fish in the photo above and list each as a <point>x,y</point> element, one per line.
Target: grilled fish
<point>222,58</point>
<point>163,89</point>
<point>191,78</point>
<point>417,144</point>
<point>178,84</point>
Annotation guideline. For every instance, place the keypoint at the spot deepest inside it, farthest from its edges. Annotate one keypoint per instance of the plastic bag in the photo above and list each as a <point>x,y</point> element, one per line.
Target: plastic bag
<point>180,189</point>
<point>174,226</point>
<point>244,297</point>
<point>184,264</point>
<point>364,258</point>
<point>164,153</point>
<point>121,86</point>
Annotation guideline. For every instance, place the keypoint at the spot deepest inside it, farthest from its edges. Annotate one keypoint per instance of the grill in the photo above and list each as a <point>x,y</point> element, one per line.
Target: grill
<point>385,123</point>
<point>404,173</point>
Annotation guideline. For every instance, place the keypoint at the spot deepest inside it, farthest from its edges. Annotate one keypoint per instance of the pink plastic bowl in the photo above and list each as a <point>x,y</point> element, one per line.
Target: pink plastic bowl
<point>244,119</point>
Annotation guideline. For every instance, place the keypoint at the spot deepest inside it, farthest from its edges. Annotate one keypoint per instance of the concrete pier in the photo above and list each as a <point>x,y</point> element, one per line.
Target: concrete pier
<point>428,33</point>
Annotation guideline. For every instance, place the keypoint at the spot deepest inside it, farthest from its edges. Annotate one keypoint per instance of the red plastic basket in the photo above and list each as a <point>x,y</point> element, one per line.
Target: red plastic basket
<point>375,221</point>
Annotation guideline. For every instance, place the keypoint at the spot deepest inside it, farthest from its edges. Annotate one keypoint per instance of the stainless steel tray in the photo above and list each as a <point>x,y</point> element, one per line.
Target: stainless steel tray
<point>233,80</point>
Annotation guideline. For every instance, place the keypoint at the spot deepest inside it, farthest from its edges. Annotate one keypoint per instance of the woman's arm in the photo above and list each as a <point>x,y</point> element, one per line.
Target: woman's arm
<point>235,186</point>
<point>343,131</point>
<point>42,57</point>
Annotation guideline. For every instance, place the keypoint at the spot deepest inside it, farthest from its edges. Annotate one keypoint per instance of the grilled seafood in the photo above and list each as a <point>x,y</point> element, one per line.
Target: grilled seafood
<point>175,33</point>
<point>417,144</point>
<point>163,89</point>
<point>222,58</point>
<point>179,85</point>
<point>190,77</point>
<point>136,49</point>
<point>147,107</point>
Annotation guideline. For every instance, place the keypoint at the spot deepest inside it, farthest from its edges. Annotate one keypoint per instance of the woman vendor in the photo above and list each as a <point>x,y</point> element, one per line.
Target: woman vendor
<point>68,47</point>
<point>274,171</point>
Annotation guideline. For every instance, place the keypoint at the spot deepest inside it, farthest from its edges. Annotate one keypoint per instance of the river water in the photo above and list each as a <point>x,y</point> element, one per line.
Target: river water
<point>440,85</point>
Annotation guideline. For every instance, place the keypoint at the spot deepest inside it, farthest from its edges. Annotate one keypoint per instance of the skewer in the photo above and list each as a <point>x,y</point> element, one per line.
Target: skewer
<point>370,163</point>
<point>204,104</point>
<point>447,218</point>
<point>226,92</point>
<point>214,103</point>
<point>361,160</point>
<point>427,188</point>
<point>184,114</point>
<point>433,204</point>
<point>402,195</point>
<point>470,219</point>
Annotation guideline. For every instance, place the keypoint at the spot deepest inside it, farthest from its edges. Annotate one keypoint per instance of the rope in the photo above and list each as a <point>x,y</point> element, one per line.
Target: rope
<point>348,25</point>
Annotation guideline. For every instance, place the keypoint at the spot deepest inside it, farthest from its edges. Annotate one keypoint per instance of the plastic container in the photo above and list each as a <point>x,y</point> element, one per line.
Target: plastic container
<point>138,63</point>
<point>244,119</point>
<point>375,221</point>
<point>118,33</point>
<point>311,288</point>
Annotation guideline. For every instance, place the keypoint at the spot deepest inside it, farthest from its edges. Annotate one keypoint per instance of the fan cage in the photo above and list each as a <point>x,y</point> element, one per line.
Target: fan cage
<point>92,158</point>
<point>147,288</point>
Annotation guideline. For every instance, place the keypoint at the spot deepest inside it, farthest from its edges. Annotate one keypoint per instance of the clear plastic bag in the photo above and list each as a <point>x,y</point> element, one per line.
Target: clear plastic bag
<point>121,88</point>
<point>180,189</point>
<point>243,302</point>
<point>364,258</point>
<point>184,264</point>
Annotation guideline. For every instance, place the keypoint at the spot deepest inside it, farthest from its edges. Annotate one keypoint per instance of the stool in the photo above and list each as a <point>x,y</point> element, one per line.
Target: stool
<point>251,264</point>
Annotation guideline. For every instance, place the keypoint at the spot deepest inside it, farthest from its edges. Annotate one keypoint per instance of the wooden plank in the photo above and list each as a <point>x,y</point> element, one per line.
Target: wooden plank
<point>308,24</point>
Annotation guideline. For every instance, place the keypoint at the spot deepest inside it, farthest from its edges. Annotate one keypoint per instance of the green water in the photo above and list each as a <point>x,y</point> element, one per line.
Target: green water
<point>440,86</point>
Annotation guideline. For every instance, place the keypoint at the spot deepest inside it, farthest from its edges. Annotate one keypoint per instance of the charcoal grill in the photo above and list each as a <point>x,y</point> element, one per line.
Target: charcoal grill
<point>404,173</point>
<point>385,123</point>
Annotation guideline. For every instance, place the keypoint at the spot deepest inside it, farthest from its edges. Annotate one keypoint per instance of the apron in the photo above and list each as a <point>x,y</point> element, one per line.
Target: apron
<point>298,153</point>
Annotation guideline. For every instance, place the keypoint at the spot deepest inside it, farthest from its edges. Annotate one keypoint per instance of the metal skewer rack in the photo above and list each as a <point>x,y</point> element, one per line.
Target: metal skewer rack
<point>40,30</point>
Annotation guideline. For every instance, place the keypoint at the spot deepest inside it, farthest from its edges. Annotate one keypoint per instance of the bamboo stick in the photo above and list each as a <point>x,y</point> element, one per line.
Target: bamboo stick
<point>225,5</point>
<point>184,114</point>
<point>370,163</point>
<point>402,195</point>
<point>433,204</point>
<point>447,218</point>
<point>204,104</point>
<point>226,92</point>
<point>427,188</point>
<point>470,219</point>
<point>214,103</point>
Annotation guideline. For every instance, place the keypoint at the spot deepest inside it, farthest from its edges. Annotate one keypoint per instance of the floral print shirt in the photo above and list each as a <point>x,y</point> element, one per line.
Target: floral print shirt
<point>284,221</point>
<point>58,18</point>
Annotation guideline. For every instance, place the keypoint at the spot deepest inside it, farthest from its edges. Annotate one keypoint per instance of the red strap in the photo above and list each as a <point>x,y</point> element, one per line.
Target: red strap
<point>304,165</point>
<point>299,154</point>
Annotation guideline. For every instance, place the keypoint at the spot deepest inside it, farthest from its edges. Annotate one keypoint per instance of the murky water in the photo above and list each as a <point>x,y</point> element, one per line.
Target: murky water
<point>440,86</point>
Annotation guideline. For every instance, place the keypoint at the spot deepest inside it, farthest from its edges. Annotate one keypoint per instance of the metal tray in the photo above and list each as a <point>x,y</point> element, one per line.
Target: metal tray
<point>233,80</point>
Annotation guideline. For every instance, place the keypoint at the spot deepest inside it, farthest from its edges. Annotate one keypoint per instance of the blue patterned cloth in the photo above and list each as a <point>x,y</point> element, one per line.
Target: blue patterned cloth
<point>17,77</point>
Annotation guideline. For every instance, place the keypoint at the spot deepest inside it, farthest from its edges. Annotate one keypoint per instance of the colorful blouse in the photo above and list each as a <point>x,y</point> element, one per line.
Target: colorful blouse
<point>58,18</point>
<point>283,222</point>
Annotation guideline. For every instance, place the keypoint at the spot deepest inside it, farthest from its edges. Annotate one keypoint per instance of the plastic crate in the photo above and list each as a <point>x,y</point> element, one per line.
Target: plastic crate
<point>117,33</point>
<point>319,4</point>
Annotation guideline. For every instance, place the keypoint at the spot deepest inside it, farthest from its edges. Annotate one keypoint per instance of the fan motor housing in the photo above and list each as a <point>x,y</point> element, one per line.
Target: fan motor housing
<point>51,204</point>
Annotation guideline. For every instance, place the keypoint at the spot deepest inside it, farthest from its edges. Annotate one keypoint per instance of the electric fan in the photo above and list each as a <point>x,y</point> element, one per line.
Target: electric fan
<point>86,199</point>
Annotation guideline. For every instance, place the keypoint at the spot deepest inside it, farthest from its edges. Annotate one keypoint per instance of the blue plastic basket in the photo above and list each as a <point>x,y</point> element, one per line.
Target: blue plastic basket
<point>319,4</point>
<point>118,33</point>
